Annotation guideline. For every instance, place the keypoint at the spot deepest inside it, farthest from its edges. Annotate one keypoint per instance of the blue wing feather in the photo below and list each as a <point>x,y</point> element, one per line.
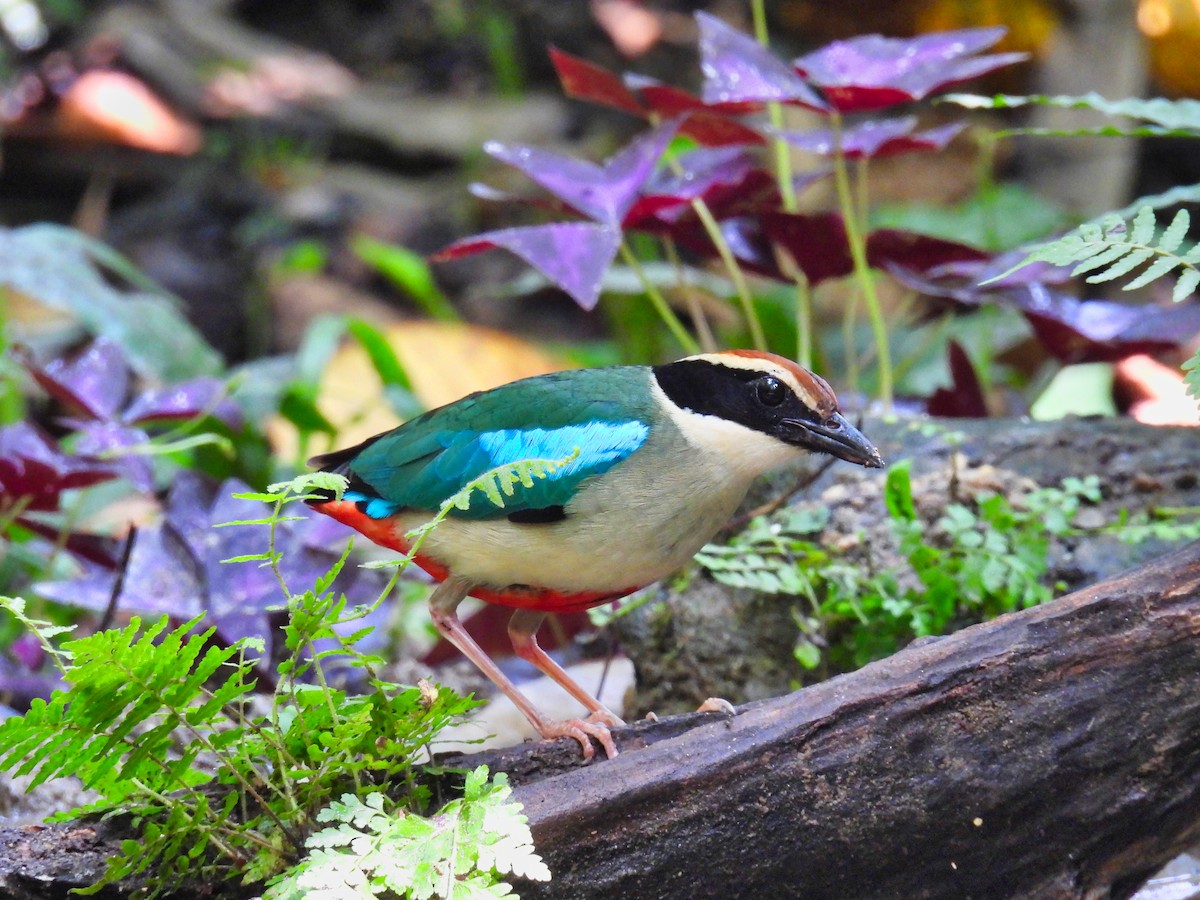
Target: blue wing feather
<point>419,465</point>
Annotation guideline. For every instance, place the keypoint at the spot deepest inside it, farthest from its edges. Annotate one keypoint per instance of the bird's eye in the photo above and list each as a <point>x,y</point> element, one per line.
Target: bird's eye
<point>770,391</point>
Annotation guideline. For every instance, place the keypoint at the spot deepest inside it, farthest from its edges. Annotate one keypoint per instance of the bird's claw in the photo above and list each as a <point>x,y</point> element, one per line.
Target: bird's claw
<point>594,726</point>
<point>717,704</point>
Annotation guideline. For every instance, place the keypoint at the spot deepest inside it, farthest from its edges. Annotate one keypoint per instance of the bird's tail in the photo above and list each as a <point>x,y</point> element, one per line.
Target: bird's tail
<point>338,462</point>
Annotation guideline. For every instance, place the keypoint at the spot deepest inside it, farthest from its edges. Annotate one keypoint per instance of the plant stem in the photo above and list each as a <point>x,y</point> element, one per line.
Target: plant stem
<point>787,196</point>
<point>728,260</point>
<point>713,230</point>
<point>804,332</point>
<point>703,329</point>
<point>783,158</point>
<point>862,269</point>
<point>686,341</point>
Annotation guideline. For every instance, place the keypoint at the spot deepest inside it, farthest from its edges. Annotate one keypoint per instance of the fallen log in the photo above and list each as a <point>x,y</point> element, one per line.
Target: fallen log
<point>1053,752</point>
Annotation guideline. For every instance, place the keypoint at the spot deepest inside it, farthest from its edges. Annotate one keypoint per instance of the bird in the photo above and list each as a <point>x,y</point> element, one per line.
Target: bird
<point>660,457</point>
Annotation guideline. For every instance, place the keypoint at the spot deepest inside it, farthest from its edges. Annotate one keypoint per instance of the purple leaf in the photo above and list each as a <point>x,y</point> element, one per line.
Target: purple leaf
<point>31,466</point>
<point>1075,331</point>
<point>104,439</point>
<point>738,69</point>
<point>978,271</point>
<point>91,590</point>
<point>964,398</point>
<point>1071,330</point>
<point>94,382</point>
<point>28,651</point>
<point>887,137</point>
<point>188,508</point>
<point>185,400</point>
<point>573,255</point>
<point>602,193</point>
<point>163,575</point>
<point>873,72</point>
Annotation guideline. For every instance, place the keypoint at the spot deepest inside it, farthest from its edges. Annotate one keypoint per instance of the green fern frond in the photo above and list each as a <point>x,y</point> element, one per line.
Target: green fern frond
<point>501,482</point>
<point>1159,117</point>
<point>495,484</point>
<point>1114,248</point>
<point>130,689</point>
<point>460,853</point>
<point>1191,374</point>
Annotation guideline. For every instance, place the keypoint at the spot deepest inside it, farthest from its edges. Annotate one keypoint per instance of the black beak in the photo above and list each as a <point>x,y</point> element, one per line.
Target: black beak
<point>836,437</point>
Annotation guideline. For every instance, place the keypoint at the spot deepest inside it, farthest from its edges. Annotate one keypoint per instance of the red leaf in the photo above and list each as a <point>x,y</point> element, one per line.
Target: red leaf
<point>585,80</point>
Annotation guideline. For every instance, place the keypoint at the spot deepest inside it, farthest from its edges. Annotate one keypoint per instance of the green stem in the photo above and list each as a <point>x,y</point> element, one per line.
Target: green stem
<point>703,329</point>
<point>686,341</point>
<point>804,333</point>
<point>783,157</point>
<point>849,345</point>
<point>728,260</point>
<point>862,270</point>
<point>713,230</point>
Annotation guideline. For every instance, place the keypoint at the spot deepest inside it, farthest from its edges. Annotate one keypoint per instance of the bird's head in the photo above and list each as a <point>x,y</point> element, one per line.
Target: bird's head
<point>757,409</point>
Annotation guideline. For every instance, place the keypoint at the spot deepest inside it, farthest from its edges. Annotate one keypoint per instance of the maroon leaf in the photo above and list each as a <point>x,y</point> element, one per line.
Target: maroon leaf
<point>887,137</point>
<point>602,193</point>
<point>585,80</point>
<point>964,398</point>
<point>816,242</point>
<point>718,130</point>
<point>712,124</point>
<point>573,255</point>
<point>873,72</point>
<point>888,247</point>
<point>94,382</point>
<point>738,69</point>
<point>93,548</point>
<point>33,467</point>
<point>704,173</point>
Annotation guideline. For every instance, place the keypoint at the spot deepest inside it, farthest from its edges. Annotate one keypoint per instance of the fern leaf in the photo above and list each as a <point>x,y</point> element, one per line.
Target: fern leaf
<point>1175,232</point>
<point>1191,370</point>
<point>1134,258</point>
<point>1112,249</point>
<point>1101,260</point>
<point>1144,224</point>
<point>1153,272</point>
<point>1186,285</point>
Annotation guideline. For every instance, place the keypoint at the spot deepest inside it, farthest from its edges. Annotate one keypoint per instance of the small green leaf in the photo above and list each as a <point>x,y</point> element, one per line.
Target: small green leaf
<point>1186,285</point>
<point>898,492</point>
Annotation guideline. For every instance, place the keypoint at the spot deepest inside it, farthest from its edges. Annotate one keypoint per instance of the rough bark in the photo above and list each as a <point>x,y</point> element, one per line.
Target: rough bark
<point>1050,753</point>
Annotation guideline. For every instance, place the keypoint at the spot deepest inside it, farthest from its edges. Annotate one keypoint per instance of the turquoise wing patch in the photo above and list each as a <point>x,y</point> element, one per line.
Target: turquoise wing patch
<point>425,482</point>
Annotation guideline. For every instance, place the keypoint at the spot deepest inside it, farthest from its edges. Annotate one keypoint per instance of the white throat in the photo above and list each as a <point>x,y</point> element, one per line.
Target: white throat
<point>720,441</point>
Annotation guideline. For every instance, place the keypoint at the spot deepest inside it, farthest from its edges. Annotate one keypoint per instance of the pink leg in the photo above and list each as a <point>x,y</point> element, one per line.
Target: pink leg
<point>522,630</point>
<point>443,606</point>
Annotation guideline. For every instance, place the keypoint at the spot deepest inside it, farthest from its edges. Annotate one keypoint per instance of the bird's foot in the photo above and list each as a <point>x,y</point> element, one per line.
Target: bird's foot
<point>716,704</point>
<point>584,730</point>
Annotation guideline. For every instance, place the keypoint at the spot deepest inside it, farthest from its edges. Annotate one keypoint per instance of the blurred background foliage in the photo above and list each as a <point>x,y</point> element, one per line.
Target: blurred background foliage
<point>248,194</point>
